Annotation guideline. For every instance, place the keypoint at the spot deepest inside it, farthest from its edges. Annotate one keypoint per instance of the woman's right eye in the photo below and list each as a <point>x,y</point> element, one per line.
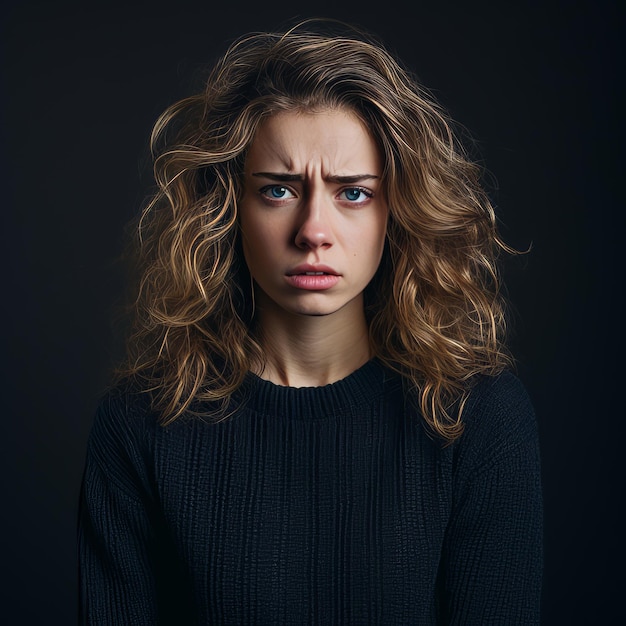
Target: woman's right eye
<point>276,192</point>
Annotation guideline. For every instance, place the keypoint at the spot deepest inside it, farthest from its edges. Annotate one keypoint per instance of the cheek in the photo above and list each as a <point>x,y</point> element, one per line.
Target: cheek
<point>249,243</point>
<point>260,245</point>
<point>374,239</point>
<point>254,253</point>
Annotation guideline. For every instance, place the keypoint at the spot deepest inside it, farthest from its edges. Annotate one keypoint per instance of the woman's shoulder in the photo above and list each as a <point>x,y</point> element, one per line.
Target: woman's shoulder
<point>120,446</point>
<point>499,418</point>
<point>123,419</point>
<point>502,393</point>
<point>126,401</point>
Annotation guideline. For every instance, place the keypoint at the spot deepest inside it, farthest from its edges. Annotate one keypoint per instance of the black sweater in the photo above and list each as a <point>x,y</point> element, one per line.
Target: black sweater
<point>322,505</point>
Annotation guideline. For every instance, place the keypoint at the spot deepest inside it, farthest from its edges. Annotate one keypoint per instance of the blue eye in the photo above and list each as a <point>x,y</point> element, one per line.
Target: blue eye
<point>356,194</point>
<point>276,192</point>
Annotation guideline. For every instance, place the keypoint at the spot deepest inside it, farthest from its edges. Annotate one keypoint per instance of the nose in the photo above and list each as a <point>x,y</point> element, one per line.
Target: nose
<point>315,228</point>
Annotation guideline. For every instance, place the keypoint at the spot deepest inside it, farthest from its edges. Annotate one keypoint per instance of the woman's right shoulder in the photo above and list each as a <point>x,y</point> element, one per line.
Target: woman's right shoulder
<point>123,414</point>
<point>121,441</point>
<point>125,396</point>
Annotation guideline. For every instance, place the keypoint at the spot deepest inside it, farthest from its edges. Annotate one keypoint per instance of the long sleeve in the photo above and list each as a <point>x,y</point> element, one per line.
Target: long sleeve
<point>492,554</point>
<point>117,582</point>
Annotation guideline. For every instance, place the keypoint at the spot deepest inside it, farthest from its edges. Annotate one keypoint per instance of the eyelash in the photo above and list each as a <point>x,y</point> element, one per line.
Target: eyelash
<point>263,191</point>
<point>363,190</point>
<point>366,192</point>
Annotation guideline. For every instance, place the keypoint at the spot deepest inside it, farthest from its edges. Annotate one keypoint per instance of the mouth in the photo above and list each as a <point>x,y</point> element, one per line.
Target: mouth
<point>312,277</point>
<point>307,270</point>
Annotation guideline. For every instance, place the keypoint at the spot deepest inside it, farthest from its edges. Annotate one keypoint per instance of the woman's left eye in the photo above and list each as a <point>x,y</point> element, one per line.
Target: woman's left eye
<point>355,194</point>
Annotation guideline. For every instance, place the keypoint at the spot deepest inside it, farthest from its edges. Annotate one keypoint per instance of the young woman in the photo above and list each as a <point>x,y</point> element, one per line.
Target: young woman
<point>317,422</point>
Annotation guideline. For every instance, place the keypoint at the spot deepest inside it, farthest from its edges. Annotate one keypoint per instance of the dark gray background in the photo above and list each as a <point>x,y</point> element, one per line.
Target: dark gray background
<point>539,85</point>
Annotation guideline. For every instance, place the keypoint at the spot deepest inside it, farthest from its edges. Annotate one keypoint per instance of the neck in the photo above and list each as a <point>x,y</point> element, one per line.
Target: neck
<point>311,351</point>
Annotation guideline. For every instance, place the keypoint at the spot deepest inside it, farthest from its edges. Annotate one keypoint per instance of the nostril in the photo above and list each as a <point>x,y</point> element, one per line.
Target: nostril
<point>313,237</point>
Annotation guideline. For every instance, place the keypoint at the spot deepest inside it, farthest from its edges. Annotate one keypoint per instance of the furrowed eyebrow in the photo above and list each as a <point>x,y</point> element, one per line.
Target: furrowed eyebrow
<point>286,178</point>
<point>283,178</point>
<point>346,180</point>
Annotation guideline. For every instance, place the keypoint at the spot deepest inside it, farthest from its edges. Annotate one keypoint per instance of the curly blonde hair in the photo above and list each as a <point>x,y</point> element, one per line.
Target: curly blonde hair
<point>434,308</point>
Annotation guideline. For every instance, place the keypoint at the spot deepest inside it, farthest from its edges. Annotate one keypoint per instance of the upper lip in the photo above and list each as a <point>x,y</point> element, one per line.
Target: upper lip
<point>308,267</point>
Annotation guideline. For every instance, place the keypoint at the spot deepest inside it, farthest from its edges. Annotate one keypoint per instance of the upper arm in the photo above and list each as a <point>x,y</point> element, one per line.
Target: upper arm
<point>115,528</point>
<point>492,558</point>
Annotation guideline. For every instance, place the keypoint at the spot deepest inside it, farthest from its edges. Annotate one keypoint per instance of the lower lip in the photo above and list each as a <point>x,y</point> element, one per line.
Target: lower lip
<point>317,282</point>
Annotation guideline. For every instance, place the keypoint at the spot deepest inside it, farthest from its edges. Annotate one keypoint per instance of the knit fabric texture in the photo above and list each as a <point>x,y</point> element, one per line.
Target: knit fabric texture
<point>316,505</point>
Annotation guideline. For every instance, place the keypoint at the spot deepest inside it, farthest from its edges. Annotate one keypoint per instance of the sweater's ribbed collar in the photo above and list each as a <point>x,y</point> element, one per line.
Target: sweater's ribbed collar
<point>362,387</point>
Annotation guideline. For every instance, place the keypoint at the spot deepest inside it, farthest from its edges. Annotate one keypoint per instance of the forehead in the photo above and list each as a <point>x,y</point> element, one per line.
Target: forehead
<point>334,140</point>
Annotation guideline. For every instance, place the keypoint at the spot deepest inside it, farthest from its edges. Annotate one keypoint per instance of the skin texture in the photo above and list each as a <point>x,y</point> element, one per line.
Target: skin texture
<point>313,201</point>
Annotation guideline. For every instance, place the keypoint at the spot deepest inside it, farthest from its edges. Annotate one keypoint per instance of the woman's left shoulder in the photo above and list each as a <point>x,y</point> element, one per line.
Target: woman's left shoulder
<point>501,392</point>
<point>499,414</point>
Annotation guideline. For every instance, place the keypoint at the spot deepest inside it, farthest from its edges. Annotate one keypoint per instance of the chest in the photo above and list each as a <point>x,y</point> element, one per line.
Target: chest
<point>306,513</point>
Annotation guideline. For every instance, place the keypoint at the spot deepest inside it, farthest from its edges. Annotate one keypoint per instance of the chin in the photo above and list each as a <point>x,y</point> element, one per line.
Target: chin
<point>324,309</point>
<point>312,304</point>
<point>313,311</point>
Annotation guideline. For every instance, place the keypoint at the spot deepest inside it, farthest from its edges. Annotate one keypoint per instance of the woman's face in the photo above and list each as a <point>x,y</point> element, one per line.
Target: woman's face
<point>313,214</point>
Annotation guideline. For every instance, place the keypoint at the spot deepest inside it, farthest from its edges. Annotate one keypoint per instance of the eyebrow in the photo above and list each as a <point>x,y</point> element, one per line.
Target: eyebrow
<point>286,178</point>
